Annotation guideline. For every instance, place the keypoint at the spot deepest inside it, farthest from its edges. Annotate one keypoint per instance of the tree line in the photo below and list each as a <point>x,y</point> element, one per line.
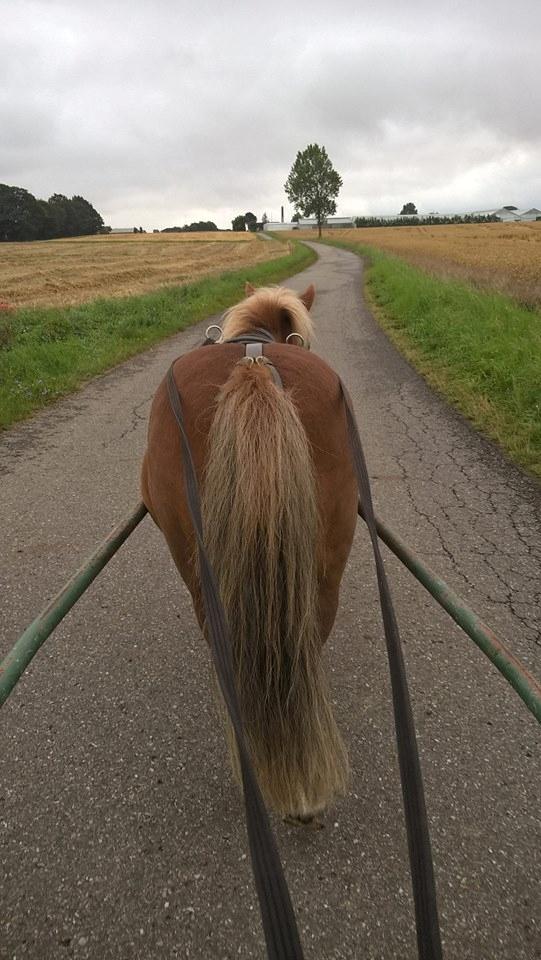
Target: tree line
<point>198,226</point>
<point>405,221</point>
<point>23,217</point>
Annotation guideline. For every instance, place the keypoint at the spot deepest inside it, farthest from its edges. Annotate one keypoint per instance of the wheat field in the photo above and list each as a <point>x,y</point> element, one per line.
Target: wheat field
<point>76,270</point>
<point>500,256</point>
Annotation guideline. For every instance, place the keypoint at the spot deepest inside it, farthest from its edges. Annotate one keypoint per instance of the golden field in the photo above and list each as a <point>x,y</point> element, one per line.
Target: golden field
<point>502,256</point>
<point>75,270</point>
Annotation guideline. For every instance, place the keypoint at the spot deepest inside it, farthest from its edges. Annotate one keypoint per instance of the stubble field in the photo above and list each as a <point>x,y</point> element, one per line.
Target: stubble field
<point>504,257</point>
<point>75,270</point>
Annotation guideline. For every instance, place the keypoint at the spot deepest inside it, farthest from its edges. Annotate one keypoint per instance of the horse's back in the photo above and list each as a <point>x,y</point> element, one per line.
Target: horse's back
<point>200,374</point>
<point>315,390</point>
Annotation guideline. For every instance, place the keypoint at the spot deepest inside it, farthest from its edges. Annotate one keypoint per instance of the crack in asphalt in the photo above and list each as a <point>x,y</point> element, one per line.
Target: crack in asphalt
<point>500,561</point>
<point>136,419</point>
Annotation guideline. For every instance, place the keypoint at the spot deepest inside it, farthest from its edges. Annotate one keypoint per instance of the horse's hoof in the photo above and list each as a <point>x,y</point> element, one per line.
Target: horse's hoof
<point>310,822</point>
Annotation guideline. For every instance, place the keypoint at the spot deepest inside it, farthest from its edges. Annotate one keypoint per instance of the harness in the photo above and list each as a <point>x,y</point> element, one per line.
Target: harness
<point>253,353</point>
<point>281,934</point>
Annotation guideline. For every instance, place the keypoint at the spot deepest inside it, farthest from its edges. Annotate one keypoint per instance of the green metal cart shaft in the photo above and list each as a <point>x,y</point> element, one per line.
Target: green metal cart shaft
<point>31,640</point>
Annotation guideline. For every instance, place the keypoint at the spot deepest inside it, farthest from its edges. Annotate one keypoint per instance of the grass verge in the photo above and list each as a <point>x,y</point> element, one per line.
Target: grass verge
<point>482,351</point>
<point>46,353</point>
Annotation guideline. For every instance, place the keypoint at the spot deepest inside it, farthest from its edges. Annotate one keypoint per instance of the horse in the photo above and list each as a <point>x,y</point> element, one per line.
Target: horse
<point>279,508</point>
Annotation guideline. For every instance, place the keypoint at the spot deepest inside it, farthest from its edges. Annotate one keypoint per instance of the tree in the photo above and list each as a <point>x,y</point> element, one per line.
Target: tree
<point>47,220</point>
<point>296,217</point>
<point>251,221</point>
<point>239,223</point>
<point>85,220</point>
<point>313,184</point>
<point>73,218</point>
<point>60,210</point>
<point>264,219</point>
<point>21,215</point>
<point>408,210</point>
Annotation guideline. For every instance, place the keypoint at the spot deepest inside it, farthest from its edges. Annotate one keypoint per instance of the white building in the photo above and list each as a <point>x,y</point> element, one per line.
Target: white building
<point>275,225</point>
<point>506,215</point>
<point>532,214</point>
<point>330,222</point>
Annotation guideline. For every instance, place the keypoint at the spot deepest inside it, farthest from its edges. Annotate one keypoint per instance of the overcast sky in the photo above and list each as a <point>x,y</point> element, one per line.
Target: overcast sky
<point>168,111</point>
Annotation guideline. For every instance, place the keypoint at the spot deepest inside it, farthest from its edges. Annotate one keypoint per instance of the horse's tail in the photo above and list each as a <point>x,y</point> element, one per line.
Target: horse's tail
<point>261,527</point>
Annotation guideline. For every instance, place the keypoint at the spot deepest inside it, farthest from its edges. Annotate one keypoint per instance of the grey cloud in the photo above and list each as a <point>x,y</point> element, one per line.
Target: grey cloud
<point>165,112</point>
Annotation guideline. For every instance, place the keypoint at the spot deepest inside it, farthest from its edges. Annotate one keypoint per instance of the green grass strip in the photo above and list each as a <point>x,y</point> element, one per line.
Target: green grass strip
<point>481,350</point>
<point>46,353</point>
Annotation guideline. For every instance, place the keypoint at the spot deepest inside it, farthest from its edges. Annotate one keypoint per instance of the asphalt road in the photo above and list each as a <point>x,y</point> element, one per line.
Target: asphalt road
<point>122,835</point>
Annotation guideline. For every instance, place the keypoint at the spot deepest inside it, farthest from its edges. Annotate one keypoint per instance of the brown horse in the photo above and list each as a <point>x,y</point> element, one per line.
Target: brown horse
<point>279,500</point>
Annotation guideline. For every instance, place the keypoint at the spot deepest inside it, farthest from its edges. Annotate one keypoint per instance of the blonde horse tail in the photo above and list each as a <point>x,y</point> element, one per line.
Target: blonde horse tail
<point>261,525</point>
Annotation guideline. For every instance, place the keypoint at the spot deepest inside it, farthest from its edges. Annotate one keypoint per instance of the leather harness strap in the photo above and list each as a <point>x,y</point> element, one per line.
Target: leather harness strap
<point>258,335</point>
<point>254,352</point>
<point>279,925</point>
<point>420,853</point>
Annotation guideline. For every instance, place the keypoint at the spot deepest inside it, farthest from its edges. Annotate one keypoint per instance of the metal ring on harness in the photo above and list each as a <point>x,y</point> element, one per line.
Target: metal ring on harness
<point>299,335</point>
<point>214,326</point>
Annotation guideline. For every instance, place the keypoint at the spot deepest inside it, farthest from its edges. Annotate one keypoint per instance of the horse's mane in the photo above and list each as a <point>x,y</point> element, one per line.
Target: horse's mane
<point>267,307</point>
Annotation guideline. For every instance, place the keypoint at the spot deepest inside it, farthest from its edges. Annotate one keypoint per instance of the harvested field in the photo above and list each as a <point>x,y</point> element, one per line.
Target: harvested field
<point>505,257</point>
<point>76,270</point>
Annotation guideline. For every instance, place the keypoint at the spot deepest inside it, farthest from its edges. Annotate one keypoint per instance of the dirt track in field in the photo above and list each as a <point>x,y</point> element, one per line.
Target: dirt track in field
<point>122,833</point>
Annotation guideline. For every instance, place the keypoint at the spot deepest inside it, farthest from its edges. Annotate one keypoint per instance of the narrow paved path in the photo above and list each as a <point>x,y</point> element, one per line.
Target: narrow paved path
<point>122,835</point>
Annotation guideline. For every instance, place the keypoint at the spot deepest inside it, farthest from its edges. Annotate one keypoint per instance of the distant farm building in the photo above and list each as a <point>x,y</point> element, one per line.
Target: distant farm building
<point>509,213</point>
<point>330,223</point>
<point>275,225</point>
<point>532,214</point>
<point>309,224</point>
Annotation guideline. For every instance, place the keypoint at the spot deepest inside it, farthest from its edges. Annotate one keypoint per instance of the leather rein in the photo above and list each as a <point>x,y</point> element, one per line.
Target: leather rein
<point>279,924</point>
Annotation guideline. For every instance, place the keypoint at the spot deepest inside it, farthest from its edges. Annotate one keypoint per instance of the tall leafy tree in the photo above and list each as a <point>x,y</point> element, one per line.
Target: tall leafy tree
<point>313,184</point>
<point>60,211</point>
<point>47,221</point>
<point>239,223</point>
<point>408,209</point>
<point>21,216</point>
<point>84,218</point>
<point>250,220</point>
